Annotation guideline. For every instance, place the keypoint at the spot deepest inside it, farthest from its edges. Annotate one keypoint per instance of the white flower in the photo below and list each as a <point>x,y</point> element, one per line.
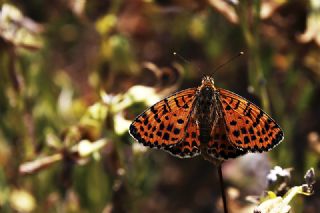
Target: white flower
<point>276,172</point>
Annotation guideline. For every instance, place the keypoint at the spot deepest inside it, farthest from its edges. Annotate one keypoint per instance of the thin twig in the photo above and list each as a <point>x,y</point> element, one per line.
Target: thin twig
<point>224,197</point>
<point>217,163</point>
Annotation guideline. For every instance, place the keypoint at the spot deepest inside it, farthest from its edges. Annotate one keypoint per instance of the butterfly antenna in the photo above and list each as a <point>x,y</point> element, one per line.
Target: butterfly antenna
<point>228,61</point>
<point>183,59</point>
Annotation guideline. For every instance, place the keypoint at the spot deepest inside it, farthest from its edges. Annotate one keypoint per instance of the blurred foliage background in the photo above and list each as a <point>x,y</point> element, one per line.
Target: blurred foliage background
<point>74,73</point>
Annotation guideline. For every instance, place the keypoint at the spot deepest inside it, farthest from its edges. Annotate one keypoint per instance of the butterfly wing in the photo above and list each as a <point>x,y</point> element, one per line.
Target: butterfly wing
<point>166,124</point>
<point>219,146</point>
<point>248,127</point>
<point>189,146</point>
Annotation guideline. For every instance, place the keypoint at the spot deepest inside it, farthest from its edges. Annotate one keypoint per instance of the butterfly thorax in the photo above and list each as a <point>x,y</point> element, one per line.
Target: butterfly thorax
<point>206,109</point>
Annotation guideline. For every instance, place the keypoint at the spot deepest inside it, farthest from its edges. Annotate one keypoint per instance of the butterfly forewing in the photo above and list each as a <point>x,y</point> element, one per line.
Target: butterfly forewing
<point>164,124</point>
<point>248,127</point>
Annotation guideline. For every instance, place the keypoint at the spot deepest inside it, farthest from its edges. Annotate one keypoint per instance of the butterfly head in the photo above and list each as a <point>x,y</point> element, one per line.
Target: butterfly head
<point>207,81</point>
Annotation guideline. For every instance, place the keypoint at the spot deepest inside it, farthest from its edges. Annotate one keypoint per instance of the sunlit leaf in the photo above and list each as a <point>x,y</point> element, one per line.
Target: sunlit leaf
<point>19,30</point>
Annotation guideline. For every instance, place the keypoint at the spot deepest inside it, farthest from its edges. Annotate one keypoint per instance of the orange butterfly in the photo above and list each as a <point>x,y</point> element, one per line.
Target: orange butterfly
<point>210,121</point>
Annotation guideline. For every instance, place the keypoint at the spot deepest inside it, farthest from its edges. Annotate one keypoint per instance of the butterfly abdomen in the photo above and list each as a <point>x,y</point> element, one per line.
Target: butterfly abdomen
<point>205,116</point>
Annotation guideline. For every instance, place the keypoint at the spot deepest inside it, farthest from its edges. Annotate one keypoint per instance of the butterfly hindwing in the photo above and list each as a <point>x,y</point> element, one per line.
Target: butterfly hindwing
<point>189,146</point>
<point>164,124</point>
<point>219,146</point>
<point>248,127</point>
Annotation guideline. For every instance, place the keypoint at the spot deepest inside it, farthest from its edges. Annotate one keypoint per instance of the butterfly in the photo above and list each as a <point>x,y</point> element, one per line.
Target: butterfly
<point>208,121</point>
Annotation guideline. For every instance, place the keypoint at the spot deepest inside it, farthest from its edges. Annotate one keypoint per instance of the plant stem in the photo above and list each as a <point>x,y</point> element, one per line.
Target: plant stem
<point>223,194</point>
